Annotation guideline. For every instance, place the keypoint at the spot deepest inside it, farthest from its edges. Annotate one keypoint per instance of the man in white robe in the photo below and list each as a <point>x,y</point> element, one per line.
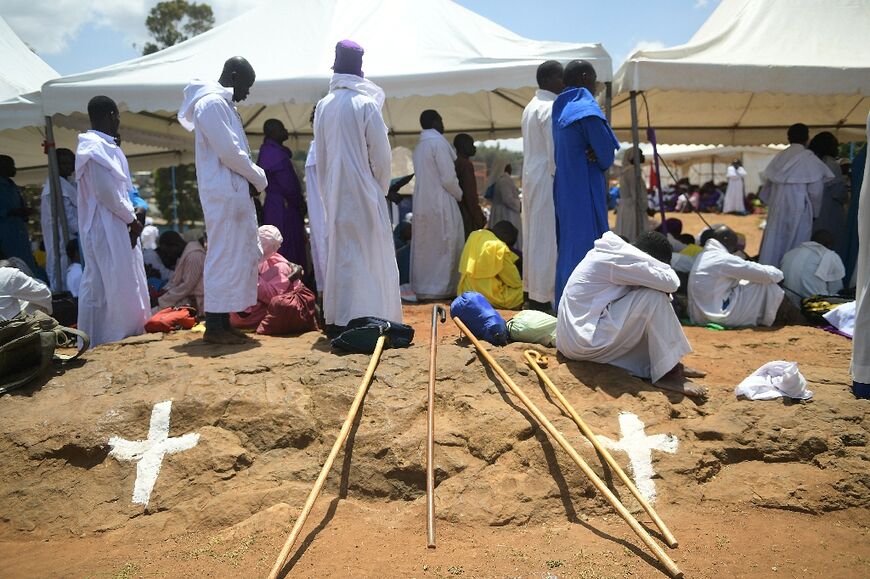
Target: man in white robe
<point>812,269</point>
<point>439,237</point>
<point>793,185</point>
<point>316,217</point>
<point>735,193</point>
<point>66,164</point>
<point>726,289</point>
<point>227,180</point>
<point>861,339</point>
<point>616,310</point>
<point>353,177</point>
<point>21,293</point>
<point>113,297</point>
<point>539,168</point>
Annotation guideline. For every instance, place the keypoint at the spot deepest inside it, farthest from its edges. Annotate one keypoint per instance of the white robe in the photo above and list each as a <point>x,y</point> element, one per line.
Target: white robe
<point>438,237</point>
<point>353,176</point>
<point>616,310</point>
<point>793,185</point>
<point>728,290</point>
<point>113,297</point>
<point>21,293</point>
<point>631,219</point>
<point>316,218</point>
<point>223,171</point>
<point>735,193</point>
<point>69,194</point>
<point>506,205</point>
<point>861,340</point>
<point>811,269</point>
<point>539,213</point>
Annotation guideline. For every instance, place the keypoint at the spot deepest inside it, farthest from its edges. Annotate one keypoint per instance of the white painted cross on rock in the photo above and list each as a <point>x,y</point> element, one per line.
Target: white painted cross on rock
<point>150,452</point>
<point>639,447</point>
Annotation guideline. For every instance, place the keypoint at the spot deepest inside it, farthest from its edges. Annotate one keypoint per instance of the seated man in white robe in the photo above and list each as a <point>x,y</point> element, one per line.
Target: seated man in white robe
<point>616,310</point>
<point>21,293</point>
<point>113,301</point>
<point>813,269</point>
<point>726,289</point>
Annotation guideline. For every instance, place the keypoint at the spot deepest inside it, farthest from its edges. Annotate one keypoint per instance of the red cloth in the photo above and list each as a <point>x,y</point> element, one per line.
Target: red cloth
<point>274,279</point>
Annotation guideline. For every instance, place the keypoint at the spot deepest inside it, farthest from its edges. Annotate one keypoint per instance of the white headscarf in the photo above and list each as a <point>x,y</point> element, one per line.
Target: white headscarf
<point>270,239</point>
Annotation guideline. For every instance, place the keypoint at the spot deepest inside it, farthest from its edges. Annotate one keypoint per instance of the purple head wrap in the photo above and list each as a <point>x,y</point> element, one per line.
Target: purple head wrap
<point>348,58</point>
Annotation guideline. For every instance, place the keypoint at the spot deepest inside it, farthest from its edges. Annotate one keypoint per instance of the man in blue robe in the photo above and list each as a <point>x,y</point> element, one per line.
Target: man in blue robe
<point>584,150</point>
<point>14,238</point>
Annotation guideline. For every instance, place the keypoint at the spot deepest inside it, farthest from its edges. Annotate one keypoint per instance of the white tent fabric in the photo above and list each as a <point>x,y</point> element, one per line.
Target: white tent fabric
<point>424,54</point>
<point>22,73</point>
<point>754,68</point>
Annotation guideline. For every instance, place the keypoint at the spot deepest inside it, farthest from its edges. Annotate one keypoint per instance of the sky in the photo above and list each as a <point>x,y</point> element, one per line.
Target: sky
<point>74,36</point>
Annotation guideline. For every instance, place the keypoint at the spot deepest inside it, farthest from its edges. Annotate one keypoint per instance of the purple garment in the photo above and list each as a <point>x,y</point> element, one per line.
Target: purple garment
<point>284,206</point>
<point>348,58</point>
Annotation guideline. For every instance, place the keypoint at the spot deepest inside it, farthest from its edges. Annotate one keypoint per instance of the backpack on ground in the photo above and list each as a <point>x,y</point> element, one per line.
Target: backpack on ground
<point>27,348</point>
<point>169,319</point>
<point>361,335</point>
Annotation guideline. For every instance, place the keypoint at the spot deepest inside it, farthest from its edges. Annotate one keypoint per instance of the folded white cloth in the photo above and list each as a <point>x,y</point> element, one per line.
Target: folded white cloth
<point>843,318</point>
<point>775,380</point>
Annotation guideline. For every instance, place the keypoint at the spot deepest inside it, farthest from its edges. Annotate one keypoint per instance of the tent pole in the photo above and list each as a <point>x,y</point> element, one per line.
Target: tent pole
<point>57,209</point>
<point>608,101</point>
<point>635,138</point>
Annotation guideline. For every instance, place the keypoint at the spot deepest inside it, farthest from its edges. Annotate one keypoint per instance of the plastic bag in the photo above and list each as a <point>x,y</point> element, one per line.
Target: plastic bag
<point>533,327</point>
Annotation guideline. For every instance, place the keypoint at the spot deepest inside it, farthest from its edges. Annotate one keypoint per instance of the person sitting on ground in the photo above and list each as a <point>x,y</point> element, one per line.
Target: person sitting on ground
<point>488,266</point>
<point>160,262</point>
<point>616,310</point>
<point>728,290</point>
<point>20,292</point>
<point>186,286</point>
<point>274,278</point>
<point>813,269</point>
<point>74,269</point>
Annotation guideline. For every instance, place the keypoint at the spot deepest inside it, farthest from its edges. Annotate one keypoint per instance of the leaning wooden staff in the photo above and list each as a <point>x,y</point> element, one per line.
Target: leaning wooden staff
<point>339,442</point>
<point>536,360</point>
<point>437,313</point>
<point>578,460</point>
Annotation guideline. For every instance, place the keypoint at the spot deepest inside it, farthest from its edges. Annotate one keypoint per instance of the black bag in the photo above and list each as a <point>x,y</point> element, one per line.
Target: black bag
<point>361,335</point>
<point>27,344</point>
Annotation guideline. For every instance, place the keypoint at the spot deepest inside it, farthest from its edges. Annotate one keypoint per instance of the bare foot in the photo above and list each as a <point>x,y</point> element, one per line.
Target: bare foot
<point>224,337</point>
<point>690,372</point>
<point>683,386</point>
<point>239,333</point>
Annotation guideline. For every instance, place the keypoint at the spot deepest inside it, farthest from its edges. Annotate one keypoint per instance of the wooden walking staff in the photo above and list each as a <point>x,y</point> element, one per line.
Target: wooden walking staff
<point>339,442</point>
<point>578,460</point>
<point>437,312</point>
<point>535,360</point>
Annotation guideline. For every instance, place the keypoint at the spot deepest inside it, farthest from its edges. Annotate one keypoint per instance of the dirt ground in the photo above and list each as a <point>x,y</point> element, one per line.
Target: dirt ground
<point>754,489</point>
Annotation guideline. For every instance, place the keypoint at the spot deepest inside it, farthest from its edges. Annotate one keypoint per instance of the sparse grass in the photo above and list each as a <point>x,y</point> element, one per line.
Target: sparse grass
<point>128,571</point>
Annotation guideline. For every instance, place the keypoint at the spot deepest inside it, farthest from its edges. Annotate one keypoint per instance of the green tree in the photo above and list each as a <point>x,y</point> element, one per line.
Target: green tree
<point>174,21</point>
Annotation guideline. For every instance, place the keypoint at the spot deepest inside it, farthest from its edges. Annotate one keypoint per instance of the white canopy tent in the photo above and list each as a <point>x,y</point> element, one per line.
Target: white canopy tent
<point>704,163</point>
<point>754,68</point>
<point>425,54</point>
<point>22,124</point>
<point>22,74</point>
